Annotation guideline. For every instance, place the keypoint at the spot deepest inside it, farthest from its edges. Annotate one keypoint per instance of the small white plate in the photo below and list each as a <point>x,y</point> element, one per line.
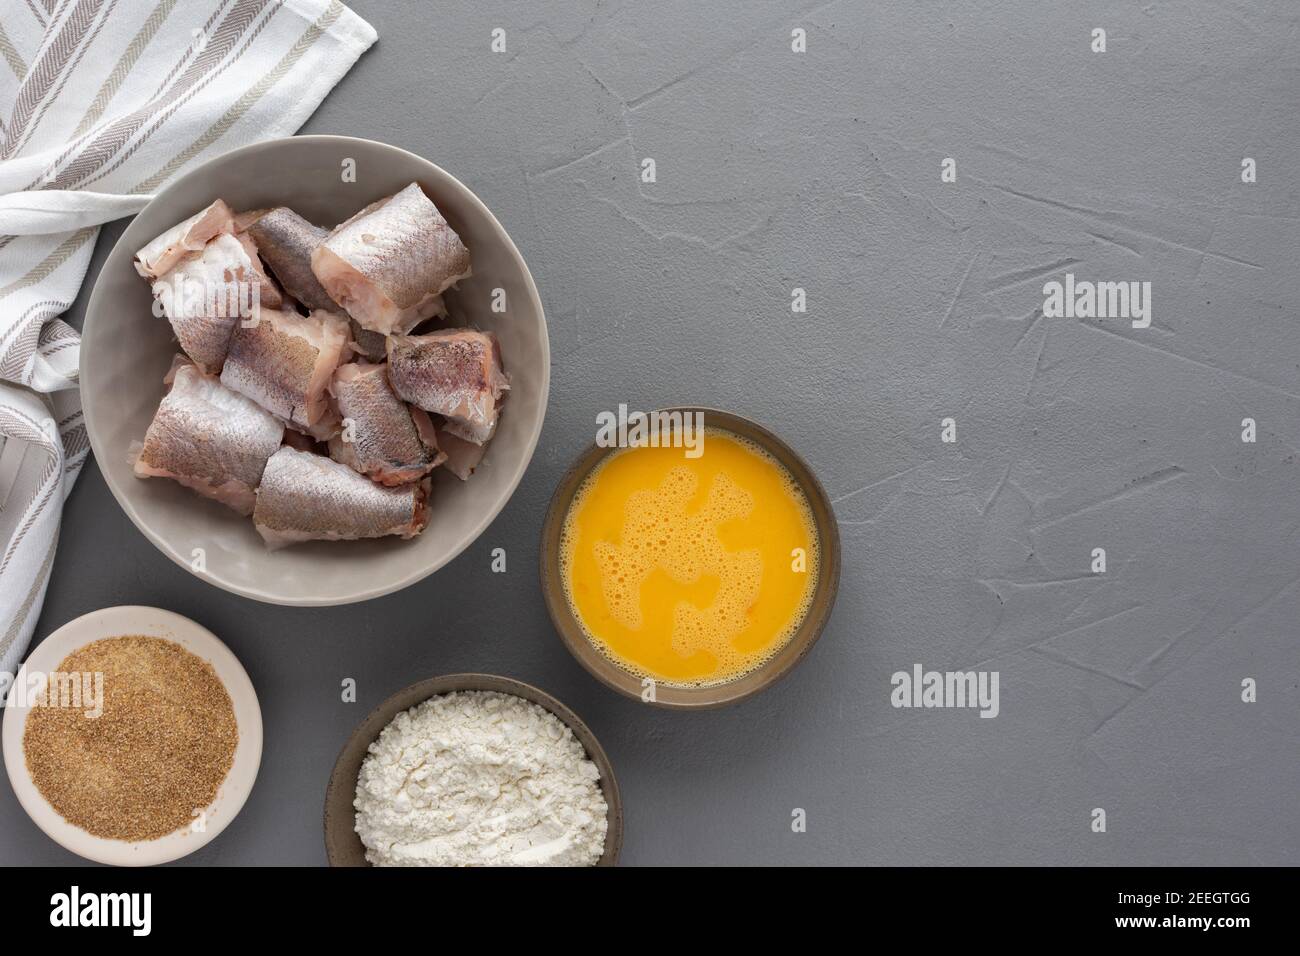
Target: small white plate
<point>151,622</point>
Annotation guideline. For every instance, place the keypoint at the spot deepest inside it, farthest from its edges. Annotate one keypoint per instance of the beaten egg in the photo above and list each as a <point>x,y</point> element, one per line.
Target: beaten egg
<point>690,571</point>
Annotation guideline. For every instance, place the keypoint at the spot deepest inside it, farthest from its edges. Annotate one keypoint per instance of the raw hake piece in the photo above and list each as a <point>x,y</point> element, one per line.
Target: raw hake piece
<point>381,437</point>
<point>210,439</point>
<point>204,297</point>
<point>455,373</point>
<point>284,361</point>
<point>286,242</point>
<point>193,234</point>
<point>305,497</point>
<point>463,456</point>
<point>389,264</point>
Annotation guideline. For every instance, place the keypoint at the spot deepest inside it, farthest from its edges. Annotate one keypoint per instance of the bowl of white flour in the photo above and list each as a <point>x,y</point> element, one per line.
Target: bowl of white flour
<point>472,770</point>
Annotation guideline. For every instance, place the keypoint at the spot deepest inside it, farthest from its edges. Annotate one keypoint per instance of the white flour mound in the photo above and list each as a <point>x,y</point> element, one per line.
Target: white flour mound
<point>476,778</point>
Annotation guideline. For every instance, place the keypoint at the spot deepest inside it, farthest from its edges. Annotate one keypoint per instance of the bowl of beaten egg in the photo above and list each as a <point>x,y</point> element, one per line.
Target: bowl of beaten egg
<point>691,573</point>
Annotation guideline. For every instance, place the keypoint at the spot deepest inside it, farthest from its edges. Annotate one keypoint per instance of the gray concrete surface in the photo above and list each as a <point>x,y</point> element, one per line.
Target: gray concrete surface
<point>778,170</point>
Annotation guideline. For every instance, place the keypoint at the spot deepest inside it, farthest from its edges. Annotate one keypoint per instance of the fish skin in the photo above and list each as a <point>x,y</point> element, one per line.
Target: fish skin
<point>205,334</point>
<point>306,497</point>
<point>210,439</point>
<point>286,241</point>
<point>386,443</point>
<point>284,361</point>
<point>390,263</point>
<point>455,373</point>
<point>371,345</point>
<point>161,253</point>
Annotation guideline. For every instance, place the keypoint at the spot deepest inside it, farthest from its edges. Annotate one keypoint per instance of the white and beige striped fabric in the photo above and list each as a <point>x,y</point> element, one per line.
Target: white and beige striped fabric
<point>101,102</point>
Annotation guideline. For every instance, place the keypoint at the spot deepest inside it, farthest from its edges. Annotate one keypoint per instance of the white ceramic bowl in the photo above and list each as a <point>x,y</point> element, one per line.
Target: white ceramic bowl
<point>151,622</point>
<point>126,351</point>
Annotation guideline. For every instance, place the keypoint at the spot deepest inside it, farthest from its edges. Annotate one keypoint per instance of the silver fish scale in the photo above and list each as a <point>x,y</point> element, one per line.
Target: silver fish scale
<point>404,246</point>
<point>385,439</point>
<point>306,496</point>
<point>204,432</point>
<point>285,242</point>
<point>455,373</point>
<point>278,368</point>
<point>438,372</point>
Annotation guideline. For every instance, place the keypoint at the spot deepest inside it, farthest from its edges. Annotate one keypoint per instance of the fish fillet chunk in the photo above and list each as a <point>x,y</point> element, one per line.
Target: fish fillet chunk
<point>286,242</point>
<point>463,456</point>
<point>162,253</point>
<point>455,373</point>
<point>306,497</point>
<point>389,264</point>
<point>204,297</point>
<point>284,361</point>
<point>381,437</point>
<point>210,439</point>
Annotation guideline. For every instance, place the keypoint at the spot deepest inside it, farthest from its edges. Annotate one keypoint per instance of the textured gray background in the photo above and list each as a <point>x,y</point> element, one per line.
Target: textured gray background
<point>777,170</point>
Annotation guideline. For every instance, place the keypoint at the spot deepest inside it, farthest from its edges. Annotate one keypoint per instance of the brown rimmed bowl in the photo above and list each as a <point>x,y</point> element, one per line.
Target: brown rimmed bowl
<point>343,847</point>
<point>714,695</point>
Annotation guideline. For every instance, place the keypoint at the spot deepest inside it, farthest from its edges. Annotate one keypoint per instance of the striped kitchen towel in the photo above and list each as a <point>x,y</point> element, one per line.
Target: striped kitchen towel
<point>101,103</point>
